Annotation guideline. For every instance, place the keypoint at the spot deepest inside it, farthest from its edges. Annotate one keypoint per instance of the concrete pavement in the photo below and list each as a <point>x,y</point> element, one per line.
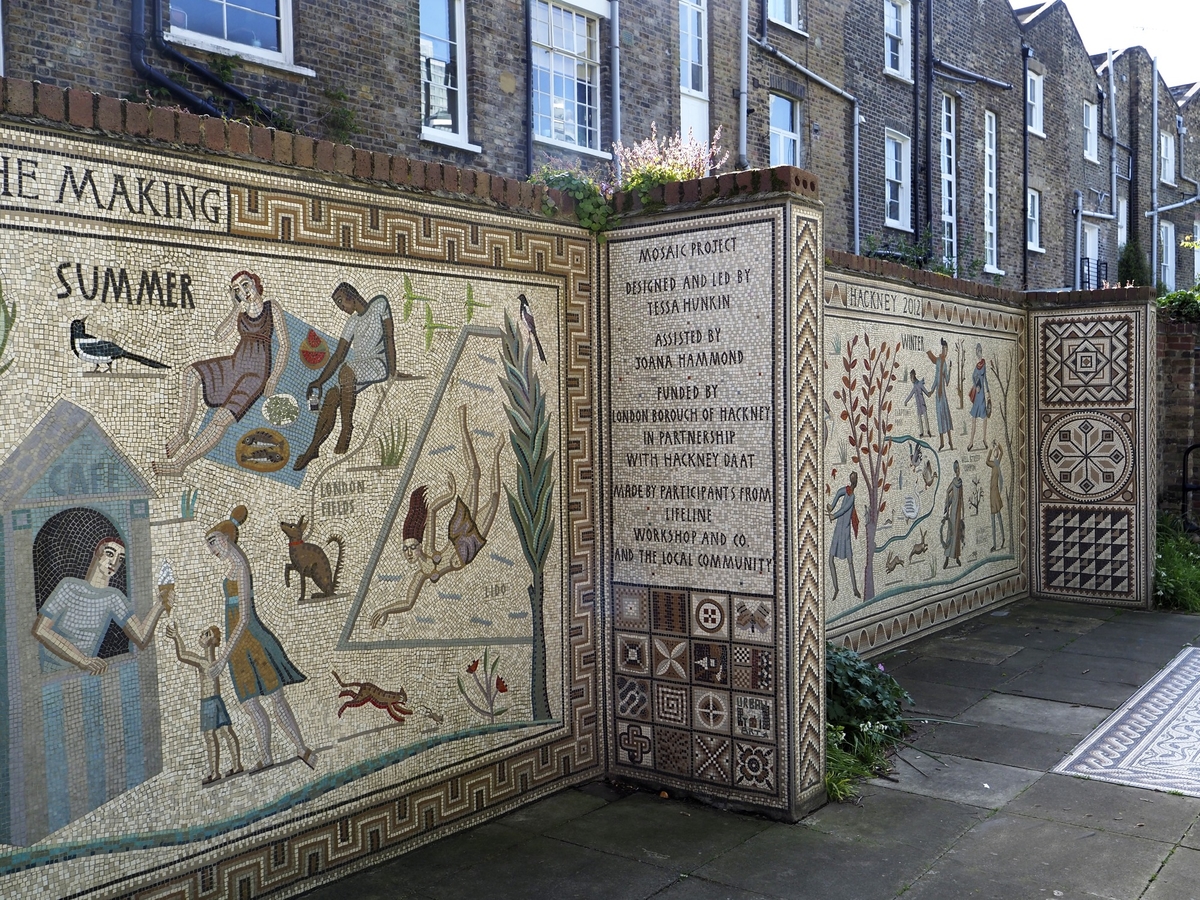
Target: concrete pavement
<point>969,811</point>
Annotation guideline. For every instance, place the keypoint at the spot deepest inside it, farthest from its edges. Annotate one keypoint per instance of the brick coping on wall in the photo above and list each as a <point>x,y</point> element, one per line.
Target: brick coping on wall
<point>76,108</point>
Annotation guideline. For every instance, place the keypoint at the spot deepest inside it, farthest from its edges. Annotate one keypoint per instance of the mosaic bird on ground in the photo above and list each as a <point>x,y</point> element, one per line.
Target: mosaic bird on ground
<point>527,321</point>
<point>99,352</point>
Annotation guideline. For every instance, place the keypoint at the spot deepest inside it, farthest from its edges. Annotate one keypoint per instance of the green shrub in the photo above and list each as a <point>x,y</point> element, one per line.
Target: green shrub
<point>861,695</point>
<point>590,194</point>
<point>1183,305</point>
<point>1132,265</point>
<point>1177,566</point>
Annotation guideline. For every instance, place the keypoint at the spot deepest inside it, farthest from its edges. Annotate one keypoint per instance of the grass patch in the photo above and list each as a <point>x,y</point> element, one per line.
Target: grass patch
<point>1177,566</point>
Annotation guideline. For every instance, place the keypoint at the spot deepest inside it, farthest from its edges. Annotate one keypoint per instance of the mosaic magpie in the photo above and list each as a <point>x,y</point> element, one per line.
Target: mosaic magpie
<point>100,352</point>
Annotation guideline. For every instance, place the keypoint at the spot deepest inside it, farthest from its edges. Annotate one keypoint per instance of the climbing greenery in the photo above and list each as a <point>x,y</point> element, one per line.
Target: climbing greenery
<point>1183,305</point>
<point>590,193</point>
<point>1176,566</point>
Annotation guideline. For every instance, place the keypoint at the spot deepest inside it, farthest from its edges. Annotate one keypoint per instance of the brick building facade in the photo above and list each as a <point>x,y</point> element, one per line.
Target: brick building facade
<point>955,156</point>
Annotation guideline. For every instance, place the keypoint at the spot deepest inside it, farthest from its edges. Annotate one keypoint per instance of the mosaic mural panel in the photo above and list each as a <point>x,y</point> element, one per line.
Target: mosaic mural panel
<point>711,395</point>
<point>1092,491</point>
<point>923,431</point>
<point>297,524</point>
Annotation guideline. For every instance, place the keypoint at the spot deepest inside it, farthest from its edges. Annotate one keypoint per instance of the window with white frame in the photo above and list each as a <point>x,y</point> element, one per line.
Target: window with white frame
<point>443,72</point>
<point>693,55</point>
<point>785,131</point>
<point>897,49</point>
<point>1196,253</point>
<point>566,76</point>
<point>991,250</point>
<point>1091,142</point>
<point>1034,87</point>
<point>949,184</point>
<point>260,30</point>
<point>787,12</point>
<point>1122,222</point>
<point>1166,158</point>
<point>1089,261</point>
<point>1166,254</point>
<point>1033,220</point>
<point>897,161</point>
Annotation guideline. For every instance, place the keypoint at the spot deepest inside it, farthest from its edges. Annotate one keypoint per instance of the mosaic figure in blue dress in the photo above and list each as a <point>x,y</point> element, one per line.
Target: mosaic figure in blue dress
<point>941,384</point>
<point>981,398</point>
<point>258,665</point>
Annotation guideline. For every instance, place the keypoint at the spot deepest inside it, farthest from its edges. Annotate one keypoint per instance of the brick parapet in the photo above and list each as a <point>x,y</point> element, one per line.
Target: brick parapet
<point>702,191</point>
<point>83,111</point>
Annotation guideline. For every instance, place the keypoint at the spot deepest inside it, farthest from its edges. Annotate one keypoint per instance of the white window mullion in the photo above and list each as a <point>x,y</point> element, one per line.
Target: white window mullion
<point>1033,220</point>
<point>990,241</point>
<point>566,77</point>
<point>949,184</point>
<point>897,193</point>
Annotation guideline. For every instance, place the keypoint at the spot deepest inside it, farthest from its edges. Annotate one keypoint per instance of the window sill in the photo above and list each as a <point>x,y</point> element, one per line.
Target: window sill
<point>794,29</point>
<point>896,226</point>
<point>449,139</point>
<point>1034,249</point>
<point>898,76</point>
<point>241,51</point>
<point>570,148</point>
<point>1091,159</point>
<point>1168,183</point>
<point>992,270</point>
<point>1040,134</point>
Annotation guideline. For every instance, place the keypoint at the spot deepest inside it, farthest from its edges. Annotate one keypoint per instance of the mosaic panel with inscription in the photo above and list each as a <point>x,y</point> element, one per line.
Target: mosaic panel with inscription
<point>293,481</point>
<point>709,691</point>
<point>1092,419</point>
<point>924,438</point>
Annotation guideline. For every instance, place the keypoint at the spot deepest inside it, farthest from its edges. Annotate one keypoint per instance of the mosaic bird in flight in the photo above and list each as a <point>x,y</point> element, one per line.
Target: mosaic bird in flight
<point>99,352</point>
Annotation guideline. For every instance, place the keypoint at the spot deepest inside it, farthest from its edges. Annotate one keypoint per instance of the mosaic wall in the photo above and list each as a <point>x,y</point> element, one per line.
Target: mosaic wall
<point>1093,495</point>
<point>709,381</point>
<point>924,448</point>
<point>295,484</point>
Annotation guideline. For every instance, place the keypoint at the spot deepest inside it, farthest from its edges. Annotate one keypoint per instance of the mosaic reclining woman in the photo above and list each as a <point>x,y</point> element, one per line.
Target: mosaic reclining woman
<point>232,384</point>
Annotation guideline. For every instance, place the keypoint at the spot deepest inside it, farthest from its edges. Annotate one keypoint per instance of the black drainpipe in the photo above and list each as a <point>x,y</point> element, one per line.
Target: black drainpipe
<point>929,126</point>
<point>1026,53</point>
<point>916,111</point>
<point>137,55</point>
<point>203,71</point>
<point>528,88</point>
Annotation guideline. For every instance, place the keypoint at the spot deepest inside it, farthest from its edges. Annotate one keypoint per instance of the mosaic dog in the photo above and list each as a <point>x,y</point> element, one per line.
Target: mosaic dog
<point>308,560</point>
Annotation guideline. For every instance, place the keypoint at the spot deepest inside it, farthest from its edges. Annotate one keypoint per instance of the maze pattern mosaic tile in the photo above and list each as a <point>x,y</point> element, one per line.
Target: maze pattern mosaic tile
<point>1091,418</point>
<point>923,431</point>
<point>703,531</point>
<point>270,615</point>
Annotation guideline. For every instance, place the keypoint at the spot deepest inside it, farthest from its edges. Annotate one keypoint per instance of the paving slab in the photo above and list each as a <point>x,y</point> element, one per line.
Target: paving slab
<point>677,836</point>
<point>884,816</point>
<point>691,887</point>
<point>382,882</point>
<point>1032,617</point>
<point>551,868</point>
<point>1187,624</point>
<point>1135,672</point>
<point>1130,643</point>
<point>1065,608</point>
<point>800,863</point>
<point>557,809</point>
<point>1107,807</point>
<point>1192,838</point>
<point>1065,689</point>
<point>970,781</point>
<point>1043,856</point>
<point>1019,637</point>
<point>1004,744</point>
<point>1179,878</point>
<point>1033,714</point>
<point>941,700</point>
<point>969,649</point>
<point>955,672</point>
<point>447,858</point>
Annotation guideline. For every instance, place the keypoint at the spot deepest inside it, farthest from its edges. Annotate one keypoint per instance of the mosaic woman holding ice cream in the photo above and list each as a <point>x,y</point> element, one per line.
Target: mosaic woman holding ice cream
<point>258,665</point>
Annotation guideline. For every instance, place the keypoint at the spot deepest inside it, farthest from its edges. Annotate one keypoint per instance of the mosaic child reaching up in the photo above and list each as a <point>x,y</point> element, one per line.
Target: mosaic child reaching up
<point>215,724</point>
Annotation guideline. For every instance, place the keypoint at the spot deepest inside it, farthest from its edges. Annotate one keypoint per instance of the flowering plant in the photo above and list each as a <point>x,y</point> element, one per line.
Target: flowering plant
<point>488,686</point>
<point>649,163</point>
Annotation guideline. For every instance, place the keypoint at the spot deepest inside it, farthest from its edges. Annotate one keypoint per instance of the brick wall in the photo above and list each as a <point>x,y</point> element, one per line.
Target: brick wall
<point>1178,353</point>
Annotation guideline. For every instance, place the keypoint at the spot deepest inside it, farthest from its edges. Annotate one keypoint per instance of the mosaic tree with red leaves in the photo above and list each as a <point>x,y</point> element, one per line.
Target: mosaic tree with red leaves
<point>868,377</point>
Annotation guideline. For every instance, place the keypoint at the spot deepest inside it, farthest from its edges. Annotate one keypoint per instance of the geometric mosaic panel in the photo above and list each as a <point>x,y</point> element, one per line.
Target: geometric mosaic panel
<point>1087,360</point>
<point>671,704</point>
<point>1087,456</point>
<point>711,757</point>
<point>1087,551</point>
<point>754,767</point>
